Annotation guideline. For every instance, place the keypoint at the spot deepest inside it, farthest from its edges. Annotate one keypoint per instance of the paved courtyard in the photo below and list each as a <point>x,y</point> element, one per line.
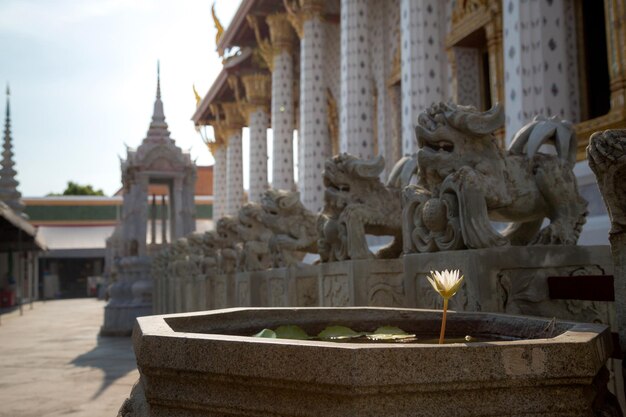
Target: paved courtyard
<point>52,362</point>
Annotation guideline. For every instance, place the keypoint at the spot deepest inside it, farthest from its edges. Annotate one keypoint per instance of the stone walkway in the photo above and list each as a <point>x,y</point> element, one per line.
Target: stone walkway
<point>52,362</point>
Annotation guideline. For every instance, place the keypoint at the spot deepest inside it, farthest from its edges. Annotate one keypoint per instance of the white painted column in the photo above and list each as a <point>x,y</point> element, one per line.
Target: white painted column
<point>314,136</point>
<point>234,173</point>
<point>281,35</point>
<point>423,60</point>
<point>255,109</point>
<point>539,72</point>
<point>258,122</point>
<point>219,182</point>
<point>356,109</point>
<point>176,206</point>
<point>142,213</point>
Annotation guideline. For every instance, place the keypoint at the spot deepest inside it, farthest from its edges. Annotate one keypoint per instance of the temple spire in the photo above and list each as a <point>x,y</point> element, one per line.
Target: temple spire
<point>158,126</point>
<point>158,96</point>
<point>8,184</point>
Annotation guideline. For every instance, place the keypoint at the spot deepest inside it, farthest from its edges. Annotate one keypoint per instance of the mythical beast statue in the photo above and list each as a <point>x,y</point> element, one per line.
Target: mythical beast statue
<point>229,243</point>
<point>607,159</point>
<point>294,226</point>
<point>256,254</point>
<point>211,253</point>
<point>467,180</point>
<point>358,203</point>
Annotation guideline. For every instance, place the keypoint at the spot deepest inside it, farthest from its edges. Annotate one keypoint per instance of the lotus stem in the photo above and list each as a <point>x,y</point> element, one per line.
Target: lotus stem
<point>443,321</point>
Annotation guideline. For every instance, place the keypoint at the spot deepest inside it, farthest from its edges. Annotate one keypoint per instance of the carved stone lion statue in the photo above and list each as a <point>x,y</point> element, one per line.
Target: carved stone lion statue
<point>255,255</point>
<point>229,244</point>
<point>466,180</point>
<point>211,255</point>
<point>607,159</point>
<point>294,226</point>
<point>358,203</point>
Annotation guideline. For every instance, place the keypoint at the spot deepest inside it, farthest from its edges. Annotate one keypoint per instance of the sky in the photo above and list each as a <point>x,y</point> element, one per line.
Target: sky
<point>82,75</point>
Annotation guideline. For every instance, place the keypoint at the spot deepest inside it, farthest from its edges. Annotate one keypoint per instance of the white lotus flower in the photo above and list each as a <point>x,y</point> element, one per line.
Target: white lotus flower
<point>446,283</point>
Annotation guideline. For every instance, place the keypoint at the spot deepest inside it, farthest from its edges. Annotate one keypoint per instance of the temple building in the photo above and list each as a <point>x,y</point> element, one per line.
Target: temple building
<point>353,76</point>
<point>19,243</point>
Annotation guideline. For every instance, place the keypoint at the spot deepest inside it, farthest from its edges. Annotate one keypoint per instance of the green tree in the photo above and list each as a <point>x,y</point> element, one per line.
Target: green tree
<point>77,189</point>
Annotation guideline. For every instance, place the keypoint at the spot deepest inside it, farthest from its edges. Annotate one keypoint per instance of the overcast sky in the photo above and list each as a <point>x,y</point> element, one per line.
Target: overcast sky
<point>83,81</point>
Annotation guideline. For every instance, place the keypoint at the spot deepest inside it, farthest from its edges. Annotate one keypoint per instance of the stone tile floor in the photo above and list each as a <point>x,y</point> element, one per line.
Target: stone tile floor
<point>52,362</point>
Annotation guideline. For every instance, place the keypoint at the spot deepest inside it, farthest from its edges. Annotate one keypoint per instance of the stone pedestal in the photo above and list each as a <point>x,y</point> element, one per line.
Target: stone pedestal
<point>511,279</point>
<point>205,364</point>
<point>131,296</point>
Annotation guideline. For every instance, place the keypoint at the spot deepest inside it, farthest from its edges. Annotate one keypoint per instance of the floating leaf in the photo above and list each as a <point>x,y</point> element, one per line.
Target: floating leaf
<point>266,333</point>
<point>390,333</point>
<point>389,330</point>
<point>338,333</point>
<point>291,331</point>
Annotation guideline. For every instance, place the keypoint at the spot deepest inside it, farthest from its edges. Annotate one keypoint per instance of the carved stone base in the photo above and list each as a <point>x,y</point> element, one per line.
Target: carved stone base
<point>131,297</point>
<point>511,279</point>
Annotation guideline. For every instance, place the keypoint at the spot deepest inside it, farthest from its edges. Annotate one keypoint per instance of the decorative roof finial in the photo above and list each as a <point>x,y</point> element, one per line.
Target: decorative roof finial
<point>158,79</point>
<point>8,105</point>
<point>198,98</point>
<point>158,126</point>
<point>218,25</point>
<point>8,184</point>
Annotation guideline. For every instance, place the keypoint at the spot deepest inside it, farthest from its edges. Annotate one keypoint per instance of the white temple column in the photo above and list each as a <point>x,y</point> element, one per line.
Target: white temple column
<point>281,35</point>
<point>142,212</point>
<point>218,151</point>
<point>234,166</point>
<point>356,109</point>
<point>258,122</point>
<point>540,77</point>
<point>234,174</point>
<point>423,62</point>
<point>314,139</point>
<point>189,203</point>
<point>176,207</point>
<point>258,91</point>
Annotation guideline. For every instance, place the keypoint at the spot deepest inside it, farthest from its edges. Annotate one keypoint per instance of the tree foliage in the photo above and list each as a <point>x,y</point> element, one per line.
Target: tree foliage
<point>74,188</point>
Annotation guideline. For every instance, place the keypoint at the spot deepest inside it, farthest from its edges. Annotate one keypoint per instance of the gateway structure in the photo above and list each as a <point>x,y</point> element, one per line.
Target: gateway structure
<point>353,75</point>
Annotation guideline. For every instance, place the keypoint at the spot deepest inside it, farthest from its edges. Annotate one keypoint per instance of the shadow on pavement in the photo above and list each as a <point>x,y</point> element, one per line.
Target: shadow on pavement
<point>113,355</point>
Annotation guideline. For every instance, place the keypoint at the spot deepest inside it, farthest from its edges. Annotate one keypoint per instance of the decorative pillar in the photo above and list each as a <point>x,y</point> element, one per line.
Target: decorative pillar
<point>188,208</point>
<point>314,139</point>
<point>615,11</point>
<point>356,109</point>
<point>423,63</point>
<point>164,224</point>
<point>537,75</point>
<point>234,172</point>
<point>255,110</point>
<point>277,53</point>
<point>176,204</point>
<point>153,216</point>
<point>217,148</point>
<point>142,213</point>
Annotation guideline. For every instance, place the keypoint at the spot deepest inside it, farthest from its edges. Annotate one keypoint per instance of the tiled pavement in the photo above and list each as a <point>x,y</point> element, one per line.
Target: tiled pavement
<point>52,362</point>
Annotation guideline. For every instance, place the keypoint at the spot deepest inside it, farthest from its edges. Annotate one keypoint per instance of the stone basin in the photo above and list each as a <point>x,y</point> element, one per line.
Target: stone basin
<point>205,364</point>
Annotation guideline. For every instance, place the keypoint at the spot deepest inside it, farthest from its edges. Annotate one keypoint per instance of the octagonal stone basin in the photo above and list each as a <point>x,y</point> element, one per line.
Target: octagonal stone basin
<point>206,364</point>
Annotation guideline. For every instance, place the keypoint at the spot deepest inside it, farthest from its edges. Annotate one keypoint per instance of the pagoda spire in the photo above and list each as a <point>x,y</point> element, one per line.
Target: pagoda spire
<point>8,184</point>
<point>158,126</point>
